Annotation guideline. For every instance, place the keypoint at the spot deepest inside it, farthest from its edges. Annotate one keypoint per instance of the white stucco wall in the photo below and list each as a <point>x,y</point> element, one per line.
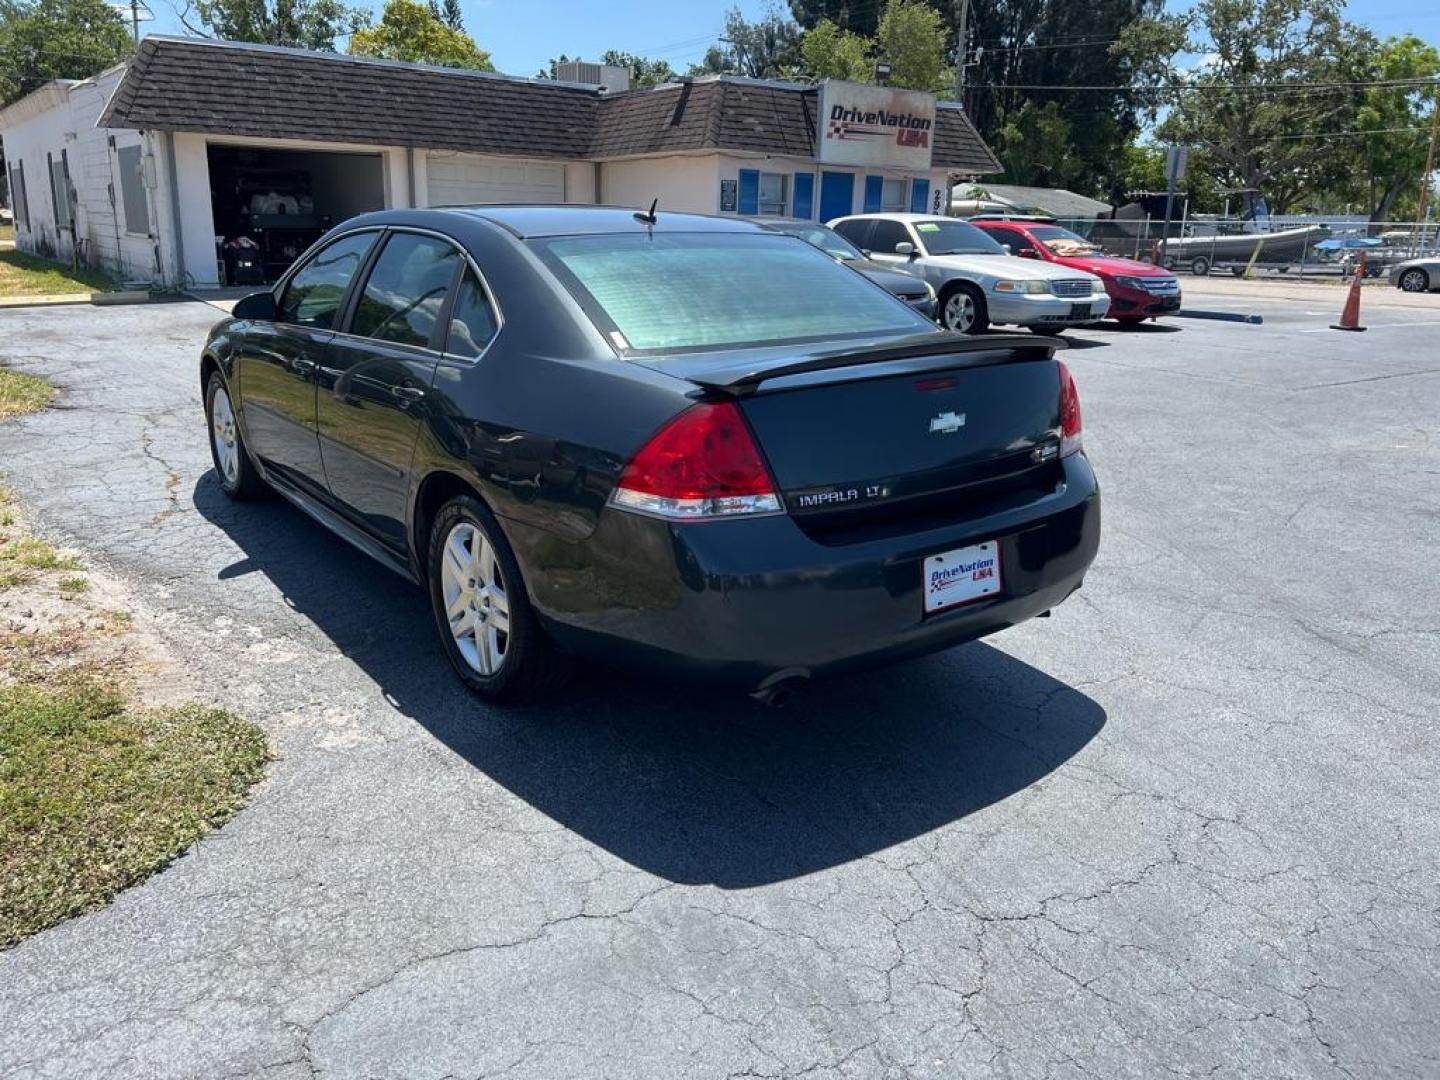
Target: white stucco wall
<point>688,183</point>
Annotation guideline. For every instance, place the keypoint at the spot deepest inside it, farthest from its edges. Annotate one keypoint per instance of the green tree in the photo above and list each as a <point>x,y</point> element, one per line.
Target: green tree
<point>643,73</point>
<point>57,39</point>
<point>1142,168</point>
<point>410,31</point>
<point>911,36</point>
<point>1278,78</point>
<point>1035,144</point>
<point>1034,52</point>
<point>768,48</point>
<point>1396,117</point>
<point>301,24</point>
<point>828,52</point>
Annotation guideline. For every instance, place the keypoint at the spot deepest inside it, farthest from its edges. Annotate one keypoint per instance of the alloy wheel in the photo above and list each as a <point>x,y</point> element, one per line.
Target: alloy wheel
<point>476,604</point>
<point>1413,281</point>
<point>223,435</point>
<point>960,311</point>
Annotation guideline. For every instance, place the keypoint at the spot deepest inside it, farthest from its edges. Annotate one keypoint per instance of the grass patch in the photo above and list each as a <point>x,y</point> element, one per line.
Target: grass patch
<point>36,555</point>
<point>72,586</point>
<point>22,274</point>
<point>21,394</point>
<point>95,797</point>
<point>10,578</point>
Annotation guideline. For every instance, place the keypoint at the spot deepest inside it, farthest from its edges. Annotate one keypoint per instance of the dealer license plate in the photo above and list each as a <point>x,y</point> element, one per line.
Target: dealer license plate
<point>1079,311</point>
<point>962,575</point>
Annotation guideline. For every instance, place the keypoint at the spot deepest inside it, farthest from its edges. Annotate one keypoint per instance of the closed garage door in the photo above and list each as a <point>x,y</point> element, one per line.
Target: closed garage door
<point>469,178</point>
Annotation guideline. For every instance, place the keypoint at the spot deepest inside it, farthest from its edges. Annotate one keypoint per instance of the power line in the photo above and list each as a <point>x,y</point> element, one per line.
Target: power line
<point>1275,87</point>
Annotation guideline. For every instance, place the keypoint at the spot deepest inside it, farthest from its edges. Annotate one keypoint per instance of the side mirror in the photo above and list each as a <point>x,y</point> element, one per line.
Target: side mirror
<point>258,307</point>
<point>905,248</point>
<point>1008,249</point>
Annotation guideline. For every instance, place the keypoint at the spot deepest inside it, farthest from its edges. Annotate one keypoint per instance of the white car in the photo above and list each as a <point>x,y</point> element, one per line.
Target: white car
<point>977,281</point>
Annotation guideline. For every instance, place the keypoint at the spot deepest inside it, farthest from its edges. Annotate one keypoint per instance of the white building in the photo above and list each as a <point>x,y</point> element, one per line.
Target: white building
<point>157,169</point>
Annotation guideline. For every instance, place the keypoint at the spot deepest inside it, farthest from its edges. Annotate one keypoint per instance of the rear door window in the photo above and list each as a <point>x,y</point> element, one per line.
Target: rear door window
<point>313,295</point>
<point>886,235</point>
<point>406,289</point>
<point>854,230</point>
<point>472,319</point>
<point>676,291</point>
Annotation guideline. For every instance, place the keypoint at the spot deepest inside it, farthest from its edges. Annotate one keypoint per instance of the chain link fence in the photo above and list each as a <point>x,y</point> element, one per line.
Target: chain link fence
<point>1303,246</point>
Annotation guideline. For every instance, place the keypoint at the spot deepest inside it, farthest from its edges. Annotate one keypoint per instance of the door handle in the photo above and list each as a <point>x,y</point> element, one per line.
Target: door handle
<point>404,394</point>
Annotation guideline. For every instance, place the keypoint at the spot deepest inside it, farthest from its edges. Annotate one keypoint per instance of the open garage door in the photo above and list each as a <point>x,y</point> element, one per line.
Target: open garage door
<point>455,179</point>
<point>270,203</point>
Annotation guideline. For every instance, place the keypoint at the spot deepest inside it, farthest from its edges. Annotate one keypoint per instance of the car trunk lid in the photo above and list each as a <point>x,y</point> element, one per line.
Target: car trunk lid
<point>897,429</point>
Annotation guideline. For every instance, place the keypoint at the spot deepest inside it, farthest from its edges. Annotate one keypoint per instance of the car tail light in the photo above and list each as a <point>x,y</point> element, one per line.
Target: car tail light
<point>1070,425</point>
<point>704,463</point>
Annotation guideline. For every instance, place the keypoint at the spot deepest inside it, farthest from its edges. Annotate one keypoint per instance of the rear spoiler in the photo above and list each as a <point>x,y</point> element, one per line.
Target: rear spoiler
<point>741,380</point>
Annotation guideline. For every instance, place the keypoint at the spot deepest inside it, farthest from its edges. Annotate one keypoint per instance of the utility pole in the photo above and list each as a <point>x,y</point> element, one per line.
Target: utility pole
<point>962,50</point>
<point>1429,166</point>
<point>135,19</point>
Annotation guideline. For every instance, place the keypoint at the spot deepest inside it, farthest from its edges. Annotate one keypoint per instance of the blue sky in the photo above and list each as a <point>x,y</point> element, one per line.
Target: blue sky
<point>522,37</point>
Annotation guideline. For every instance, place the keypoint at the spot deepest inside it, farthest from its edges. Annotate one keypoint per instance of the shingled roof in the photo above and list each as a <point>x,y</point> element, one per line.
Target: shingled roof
<point>175,84</point>
<point>178,84</point>
<point>726,113</point>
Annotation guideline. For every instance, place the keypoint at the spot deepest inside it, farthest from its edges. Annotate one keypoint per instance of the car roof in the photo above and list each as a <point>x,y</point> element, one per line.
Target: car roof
<point>895,216</point>
<point>534,220</point>
<point>1014,219</point>
<point>568,220</point>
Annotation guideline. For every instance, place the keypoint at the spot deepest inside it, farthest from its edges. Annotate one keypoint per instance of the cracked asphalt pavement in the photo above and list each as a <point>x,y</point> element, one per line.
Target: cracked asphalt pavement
<point>1189,826</point>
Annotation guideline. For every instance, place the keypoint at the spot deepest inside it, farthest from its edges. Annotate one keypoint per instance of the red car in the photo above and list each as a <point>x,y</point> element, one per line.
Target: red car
<point>1137,290</point>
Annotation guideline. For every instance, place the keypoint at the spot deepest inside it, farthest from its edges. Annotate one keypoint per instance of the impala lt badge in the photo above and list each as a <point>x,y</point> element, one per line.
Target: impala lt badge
<point>948,423</point>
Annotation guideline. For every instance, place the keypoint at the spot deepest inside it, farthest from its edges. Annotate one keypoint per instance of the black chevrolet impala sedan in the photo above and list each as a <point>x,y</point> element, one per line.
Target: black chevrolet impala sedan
<point>675,441</point>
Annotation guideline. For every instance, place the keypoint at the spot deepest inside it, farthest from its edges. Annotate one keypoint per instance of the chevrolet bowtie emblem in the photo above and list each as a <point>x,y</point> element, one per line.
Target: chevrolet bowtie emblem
<point>948,423</point>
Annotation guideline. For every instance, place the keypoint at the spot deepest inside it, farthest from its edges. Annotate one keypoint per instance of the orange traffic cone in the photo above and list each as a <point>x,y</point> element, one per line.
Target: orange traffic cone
<point>1350,317</point>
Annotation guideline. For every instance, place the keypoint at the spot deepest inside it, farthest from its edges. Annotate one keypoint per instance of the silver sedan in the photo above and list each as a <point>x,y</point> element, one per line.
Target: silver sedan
<point>1417,275</point>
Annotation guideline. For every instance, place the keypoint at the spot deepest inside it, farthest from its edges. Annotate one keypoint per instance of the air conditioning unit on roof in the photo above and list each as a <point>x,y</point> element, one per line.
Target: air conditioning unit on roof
<point>613,80</point>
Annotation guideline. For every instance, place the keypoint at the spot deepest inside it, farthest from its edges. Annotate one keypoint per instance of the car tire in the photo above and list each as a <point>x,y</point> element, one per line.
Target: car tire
<point>239,479</point>
<point>962,309</point>
<point>490,633</point>
<point>1200,266</point>
<point>1414,280</point>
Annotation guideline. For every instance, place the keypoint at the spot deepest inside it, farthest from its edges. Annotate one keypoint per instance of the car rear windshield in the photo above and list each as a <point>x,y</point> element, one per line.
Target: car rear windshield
<point>680,291</point>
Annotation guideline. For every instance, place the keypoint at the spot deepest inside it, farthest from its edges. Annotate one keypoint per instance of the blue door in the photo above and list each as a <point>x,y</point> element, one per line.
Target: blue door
<point>837,194</point>
<point>919,196</point>
<point>749,191</point>
<point>874,193</point>
<point>805,195</point>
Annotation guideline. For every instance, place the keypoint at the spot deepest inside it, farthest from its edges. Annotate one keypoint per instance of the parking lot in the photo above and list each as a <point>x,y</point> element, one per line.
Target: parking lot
<point>1190,825</point>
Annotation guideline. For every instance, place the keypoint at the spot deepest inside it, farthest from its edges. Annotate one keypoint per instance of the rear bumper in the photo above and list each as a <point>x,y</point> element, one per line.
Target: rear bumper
<point>1036,310</point>
<point>738,601</point>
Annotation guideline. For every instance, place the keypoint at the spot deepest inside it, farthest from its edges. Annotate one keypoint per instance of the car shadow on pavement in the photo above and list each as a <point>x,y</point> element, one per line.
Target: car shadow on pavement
<point>1139,327</point>
<point>692,784</point>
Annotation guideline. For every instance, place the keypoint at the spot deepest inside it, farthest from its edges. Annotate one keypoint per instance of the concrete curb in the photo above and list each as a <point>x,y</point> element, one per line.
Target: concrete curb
<point>132,296</point>
<point>1219,316</point>
<point>53,300</point>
